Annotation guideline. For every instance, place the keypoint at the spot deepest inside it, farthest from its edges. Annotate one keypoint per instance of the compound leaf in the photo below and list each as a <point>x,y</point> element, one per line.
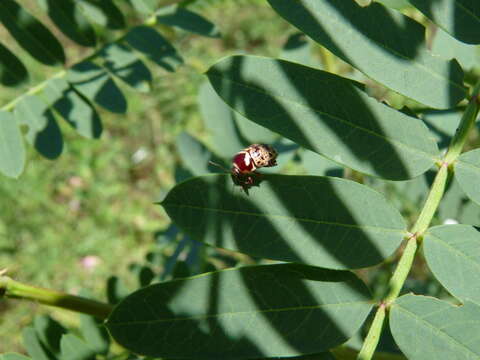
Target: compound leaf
<point>327,114</point>
<point>12,70</point>
<point>467,173</point>
<point>12,151</point>
<point>328,222</point>
<point>258,311</point>
<point>383,44</point>
<point>187,20</point>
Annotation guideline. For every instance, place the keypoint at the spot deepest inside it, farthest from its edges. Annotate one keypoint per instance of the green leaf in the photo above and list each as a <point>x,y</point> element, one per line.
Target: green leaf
<point>12,70</point>
<point>104,13</point>
<point>124,63</point>
<point>187,20</point>
<point>318,165</point>
<point>49,332</point>
<point>96,85</point>
<point>31,34</point>
<point>299,49</point>
<point>457,207</point>
<point>146,7</point>
<point>448,47</point>
<point>194,155</point>
<point>12,151</point>
<point>452,252</point>
<point>154,46</point>
<point>328,222</point>
<point>394,4</point>
<point>327,114</point>
<point>13,356</point>
<point>75,109</point>
<point>74,348</point>
<point>427,328</point>
<point>43,131</point>
<point>243,313</point>
<point>460,18</point>
<point>383,44</point>
<point>68,17</point>
<point>33,345</point>
<point>95,334</point>
<point>442,124</point>
<point>467,173</point>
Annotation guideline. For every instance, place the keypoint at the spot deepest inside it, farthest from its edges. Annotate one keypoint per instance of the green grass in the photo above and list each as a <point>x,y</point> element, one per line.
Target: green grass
<point>95,200</point>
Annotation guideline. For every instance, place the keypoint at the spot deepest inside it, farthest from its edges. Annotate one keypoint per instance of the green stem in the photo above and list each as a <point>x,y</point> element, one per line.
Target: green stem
<point>421,225</point>
<point>13,289</point>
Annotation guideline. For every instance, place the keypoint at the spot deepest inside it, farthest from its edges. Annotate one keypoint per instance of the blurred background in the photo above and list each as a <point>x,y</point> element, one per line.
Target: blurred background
<point>87,222</point>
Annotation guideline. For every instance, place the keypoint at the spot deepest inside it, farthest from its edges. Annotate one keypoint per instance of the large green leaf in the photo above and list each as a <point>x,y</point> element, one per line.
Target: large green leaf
<point>12,151</point>
<point>467,173</point>
<point>426,328</point>
<point>328,222</point>
<point>383,44</point>
<point>124,63</point>
<point>75,109</point>
<point>243,313</point>
<point>460,18</point>
<point>68,17</point>
<point>31,34</point>
<point>154,46</point>
<point>452,253</point>
<point>96,85</point>
<point>187,20</point>
<point>43,131</point>
<point>104,13</point>
<point>325,113</point>
<point>12,70</point>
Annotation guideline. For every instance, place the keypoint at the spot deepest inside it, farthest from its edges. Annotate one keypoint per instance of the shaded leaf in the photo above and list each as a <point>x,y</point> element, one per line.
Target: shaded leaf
<point>12,151</point>
<point>31,34</point>
<point>327,114</point>
<point>43,131</point>
<point>49,332</point>
<point>243,313</point>
<point>125,64</point>
<point>12,70</point>
<point>187,20</point>
<point>96,85</point>
<point>154,46</point>
<point>328,222</point>
<point>383,44</point>
<point>75,109</point>
<point>194,155</point>
<point>68,17</point>
<point>298,49</point>
<point>104,13</point>
<point>95,334</point>
<point>318,165</point>
<point>467,173</point>
<point>116,290</point>
<point>33,345</point>
<point>74,348</point>
<point>427,328</point>
<point>460,18</point>
<point>452,253</point>
<point>457,207</point>
<point>448,47</point>
<point>442,124</point>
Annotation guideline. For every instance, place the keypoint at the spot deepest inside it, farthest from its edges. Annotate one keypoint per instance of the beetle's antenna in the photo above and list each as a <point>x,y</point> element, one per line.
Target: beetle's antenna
<point>218,165</point>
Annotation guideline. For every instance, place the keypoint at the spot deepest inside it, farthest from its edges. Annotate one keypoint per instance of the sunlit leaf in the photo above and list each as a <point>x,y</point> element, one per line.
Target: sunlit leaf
<point>154,46</point>
<point>31,34</point>
<point>124,63</point>
<point>453,254</point>
<point>449,48</point>
<point>467,173</point>
<point>146,7</point>
<point>68,17</point>
<point>43,131</point>
<point>95,334</point>
<point>104,13</point>
<point>243,313</point>
<point>383,44</point>
<point>95,84</point>
<point>74,348</point>
<point>426,328</point>
<point>327,114</point>
<point>328,222</point>
<point>75,109</point>
<point>12,151</point>
<point>299,49</point>
<point>13,356</point>
<point>187,20</point>
<point>460,18</point>
<point>12,70</point>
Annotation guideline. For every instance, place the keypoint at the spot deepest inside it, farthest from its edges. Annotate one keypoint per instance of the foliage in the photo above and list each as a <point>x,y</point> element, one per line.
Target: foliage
<point>396,150</point>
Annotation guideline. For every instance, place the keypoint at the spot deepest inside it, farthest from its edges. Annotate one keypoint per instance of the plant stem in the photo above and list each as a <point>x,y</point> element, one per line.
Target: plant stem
<point>423,222</point>
<point>13,289</point>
